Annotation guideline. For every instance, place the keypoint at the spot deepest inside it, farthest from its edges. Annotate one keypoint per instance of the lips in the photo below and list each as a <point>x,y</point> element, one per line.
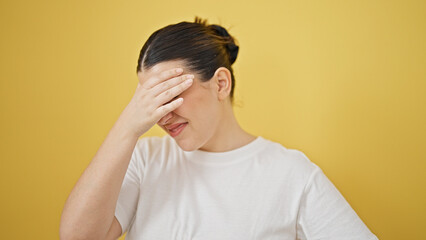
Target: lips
<point>174,126</point>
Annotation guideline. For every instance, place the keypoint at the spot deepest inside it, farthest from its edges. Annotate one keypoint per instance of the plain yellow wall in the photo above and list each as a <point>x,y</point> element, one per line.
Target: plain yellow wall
<point>342,81</point>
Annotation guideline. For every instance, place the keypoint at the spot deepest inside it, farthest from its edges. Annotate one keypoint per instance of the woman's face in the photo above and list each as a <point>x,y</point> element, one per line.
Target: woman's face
<point>201,110</point>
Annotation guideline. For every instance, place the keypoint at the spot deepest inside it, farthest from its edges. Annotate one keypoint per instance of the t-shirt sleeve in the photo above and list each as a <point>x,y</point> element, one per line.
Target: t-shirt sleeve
<point>325,214</point>
<point>129,193</point>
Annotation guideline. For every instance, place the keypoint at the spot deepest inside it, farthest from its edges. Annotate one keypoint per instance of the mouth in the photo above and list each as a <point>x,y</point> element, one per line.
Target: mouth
<point>176,129</point>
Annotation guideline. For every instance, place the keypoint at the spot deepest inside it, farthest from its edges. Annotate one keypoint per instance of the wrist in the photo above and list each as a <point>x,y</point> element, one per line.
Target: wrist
<point>125,131</point>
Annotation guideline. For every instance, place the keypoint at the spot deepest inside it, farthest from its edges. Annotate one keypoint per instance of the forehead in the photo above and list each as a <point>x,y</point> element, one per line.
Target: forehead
<point>166,65</point>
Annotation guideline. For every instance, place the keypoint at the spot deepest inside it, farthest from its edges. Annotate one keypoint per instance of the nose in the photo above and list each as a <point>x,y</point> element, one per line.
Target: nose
<point>166,118</point>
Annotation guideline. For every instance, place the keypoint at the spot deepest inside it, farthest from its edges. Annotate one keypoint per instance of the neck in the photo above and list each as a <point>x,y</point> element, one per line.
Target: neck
<point>229,134</point>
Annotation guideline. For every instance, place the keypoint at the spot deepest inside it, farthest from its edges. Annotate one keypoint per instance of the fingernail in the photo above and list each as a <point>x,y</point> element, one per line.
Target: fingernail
<point>188,81</point>
<point>179,70</point>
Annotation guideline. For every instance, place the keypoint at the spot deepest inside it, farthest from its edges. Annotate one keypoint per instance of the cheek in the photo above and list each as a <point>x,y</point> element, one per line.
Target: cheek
<point>196,108</point>
<point>199,104</point>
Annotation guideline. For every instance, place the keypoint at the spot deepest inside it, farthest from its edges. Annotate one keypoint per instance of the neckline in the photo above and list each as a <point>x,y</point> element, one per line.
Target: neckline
<point>226,157</point>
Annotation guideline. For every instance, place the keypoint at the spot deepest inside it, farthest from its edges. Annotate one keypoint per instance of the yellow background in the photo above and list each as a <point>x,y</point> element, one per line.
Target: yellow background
<point>342,81</point>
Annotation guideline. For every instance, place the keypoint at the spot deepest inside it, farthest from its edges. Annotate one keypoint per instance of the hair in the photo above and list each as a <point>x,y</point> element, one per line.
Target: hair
<point>203,47</point>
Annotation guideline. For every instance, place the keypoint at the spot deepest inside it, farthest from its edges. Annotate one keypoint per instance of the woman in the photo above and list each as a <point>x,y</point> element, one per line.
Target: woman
<point>208,178</point>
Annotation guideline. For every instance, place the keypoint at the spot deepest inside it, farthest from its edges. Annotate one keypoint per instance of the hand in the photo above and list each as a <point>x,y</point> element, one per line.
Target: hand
<point>153,99</point>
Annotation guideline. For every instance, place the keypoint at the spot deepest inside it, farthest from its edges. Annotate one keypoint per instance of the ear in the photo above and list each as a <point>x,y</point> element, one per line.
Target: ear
<point>223,82</point>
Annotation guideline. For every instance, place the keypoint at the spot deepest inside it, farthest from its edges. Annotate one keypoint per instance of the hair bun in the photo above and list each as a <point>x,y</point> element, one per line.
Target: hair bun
<point>233,51</point>
<point>230,44</point>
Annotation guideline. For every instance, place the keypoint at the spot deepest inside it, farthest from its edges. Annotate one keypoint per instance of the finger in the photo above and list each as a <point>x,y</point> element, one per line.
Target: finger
<point>166,85</point>
<point>164,119</point>
<point>162,77</point>
<point>169,94</point>
<point>167,108</point>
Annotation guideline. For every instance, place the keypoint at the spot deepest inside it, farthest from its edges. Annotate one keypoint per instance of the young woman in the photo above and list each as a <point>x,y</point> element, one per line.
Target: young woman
<point>207,178</point>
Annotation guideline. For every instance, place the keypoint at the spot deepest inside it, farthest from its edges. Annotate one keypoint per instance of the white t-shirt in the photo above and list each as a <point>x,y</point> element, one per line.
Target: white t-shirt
<point>259,191</point>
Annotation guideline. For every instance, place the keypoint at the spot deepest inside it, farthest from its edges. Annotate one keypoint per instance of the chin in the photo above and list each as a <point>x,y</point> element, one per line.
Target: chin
<point>187,145</point>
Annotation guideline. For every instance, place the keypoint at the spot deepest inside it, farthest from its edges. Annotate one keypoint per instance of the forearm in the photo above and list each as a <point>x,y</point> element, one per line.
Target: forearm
<point>90,207</point>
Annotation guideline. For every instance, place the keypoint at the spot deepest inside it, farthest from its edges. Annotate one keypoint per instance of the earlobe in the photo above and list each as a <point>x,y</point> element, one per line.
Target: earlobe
<point>224,82</point>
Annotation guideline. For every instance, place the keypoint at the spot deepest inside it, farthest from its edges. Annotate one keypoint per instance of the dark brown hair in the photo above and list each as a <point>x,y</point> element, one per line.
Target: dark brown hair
<point>203,47</point>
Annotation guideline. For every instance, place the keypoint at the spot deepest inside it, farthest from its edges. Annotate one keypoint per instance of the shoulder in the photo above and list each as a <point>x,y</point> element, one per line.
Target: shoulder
<point>293,161</point>
<point>155,146</point>
<point>153,142</point>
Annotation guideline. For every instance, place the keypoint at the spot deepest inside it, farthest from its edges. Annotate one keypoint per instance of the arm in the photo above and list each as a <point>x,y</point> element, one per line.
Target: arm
<point>325,214</point>
<point>89,209</point>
